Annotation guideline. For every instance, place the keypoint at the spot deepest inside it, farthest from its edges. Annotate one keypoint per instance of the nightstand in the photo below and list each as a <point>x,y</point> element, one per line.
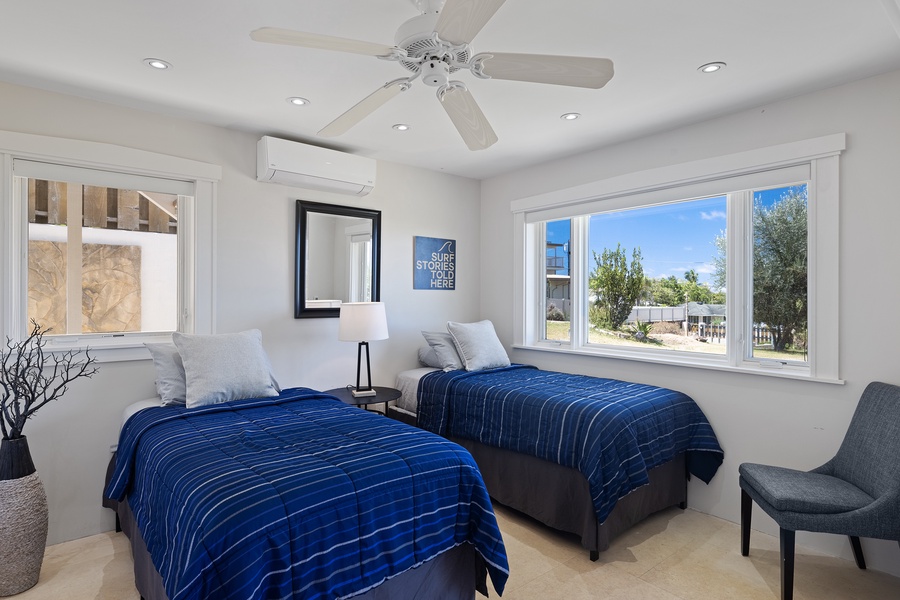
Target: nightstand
<point>382,394</point>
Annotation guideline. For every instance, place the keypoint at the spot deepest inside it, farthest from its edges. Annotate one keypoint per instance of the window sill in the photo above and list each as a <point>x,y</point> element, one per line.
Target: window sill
<point>786,372</point>
<point>108,348</point>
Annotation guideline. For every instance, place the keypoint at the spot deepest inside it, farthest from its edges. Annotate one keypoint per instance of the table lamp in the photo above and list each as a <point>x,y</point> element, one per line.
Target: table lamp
<point>361,322</point>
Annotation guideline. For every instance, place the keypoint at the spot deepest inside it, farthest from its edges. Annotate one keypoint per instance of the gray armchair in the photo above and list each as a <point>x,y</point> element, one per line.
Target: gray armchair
<point>856,493</point>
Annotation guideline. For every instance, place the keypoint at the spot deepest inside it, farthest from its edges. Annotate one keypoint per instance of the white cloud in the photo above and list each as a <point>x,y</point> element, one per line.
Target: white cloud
<point>713,215</point>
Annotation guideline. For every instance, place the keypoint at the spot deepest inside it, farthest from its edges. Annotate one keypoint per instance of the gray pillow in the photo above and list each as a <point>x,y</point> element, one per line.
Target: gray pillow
<point>429,358</point>
<point>225,367</point>
<point>478,345</point>
<point>169,373</point>
<point>442,344</point>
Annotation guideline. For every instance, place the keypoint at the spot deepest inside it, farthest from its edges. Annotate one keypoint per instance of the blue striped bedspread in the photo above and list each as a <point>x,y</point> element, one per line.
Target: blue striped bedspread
<point>612,431</point>
<point>297,496</point>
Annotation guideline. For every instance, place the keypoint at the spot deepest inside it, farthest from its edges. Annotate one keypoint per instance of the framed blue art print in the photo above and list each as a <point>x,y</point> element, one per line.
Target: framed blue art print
<point>434,264</point>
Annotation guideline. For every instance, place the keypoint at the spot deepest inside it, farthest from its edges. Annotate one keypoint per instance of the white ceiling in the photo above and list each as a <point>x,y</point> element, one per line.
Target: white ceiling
<point>774,49</point>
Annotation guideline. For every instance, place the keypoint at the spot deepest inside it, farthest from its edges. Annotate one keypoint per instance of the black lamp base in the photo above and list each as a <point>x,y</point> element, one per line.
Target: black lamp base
<point>360,391</point>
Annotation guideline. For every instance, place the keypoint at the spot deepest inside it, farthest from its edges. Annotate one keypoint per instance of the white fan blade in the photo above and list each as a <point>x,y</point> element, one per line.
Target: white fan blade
<point>364,108</point>
<point>467,117</point>
<point>577,71</point>
<point>275,35</point>
<point>461,20</point>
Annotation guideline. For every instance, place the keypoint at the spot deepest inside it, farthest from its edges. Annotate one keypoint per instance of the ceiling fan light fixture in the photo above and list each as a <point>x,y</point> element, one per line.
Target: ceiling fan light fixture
<point>435,45</point>
<point>711,67</point>
<point>297,101</point>
<point>157,63</point>
<point>435,73</point>
<point>571,116</point>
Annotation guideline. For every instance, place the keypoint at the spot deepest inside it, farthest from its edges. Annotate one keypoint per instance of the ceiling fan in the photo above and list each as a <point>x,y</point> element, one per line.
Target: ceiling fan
<point>434,45</point>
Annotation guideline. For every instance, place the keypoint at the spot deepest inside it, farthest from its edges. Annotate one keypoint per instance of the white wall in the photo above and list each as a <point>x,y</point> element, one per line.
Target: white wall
<point>254,282</point>
<point>758,419</point>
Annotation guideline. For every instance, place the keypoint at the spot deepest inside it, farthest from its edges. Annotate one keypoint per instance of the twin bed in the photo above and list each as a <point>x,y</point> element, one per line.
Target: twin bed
<point>294,494</point>
<point>300,496</point>
<point>585,455</point>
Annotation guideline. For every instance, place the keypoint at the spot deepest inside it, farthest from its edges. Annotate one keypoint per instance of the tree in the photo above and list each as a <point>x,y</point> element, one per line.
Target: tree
<point>718,278</point>
<point>669,291</point>
<point>665,291</point>
<point>779,266</point>
<point>616,285</point>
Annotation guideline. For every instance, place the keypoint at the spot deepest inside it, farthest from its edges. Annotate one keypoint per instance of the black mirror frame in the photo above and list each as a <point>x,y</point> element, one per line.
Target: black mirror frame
<point>305,207</point>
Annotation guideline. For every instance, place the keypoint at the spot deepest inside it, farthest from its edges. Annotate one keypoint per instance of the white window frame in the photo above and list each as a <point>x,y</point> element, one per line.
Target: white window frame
<point>814,160</point>
<point>196,243</point>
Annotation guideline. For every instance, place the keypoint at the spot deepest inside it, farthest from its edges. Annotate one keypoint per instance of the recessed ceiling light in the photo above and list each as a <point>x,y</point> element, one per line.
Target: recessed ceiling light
<point>157,63</point>
<point>298,101</point>
<point>711,67</point>
<point>570,116</point>
<point>401,127</point>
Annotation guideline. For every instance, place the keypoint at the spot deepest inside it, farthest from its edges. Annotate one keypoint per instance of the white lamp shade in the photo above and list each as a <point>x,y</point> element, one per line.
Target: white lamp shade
<point>362,322</point>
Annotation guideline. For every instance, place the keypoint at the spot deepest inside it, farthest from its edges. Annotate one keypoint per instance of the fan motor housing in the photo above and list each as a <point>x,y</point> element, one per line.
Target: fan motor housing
<point>435,72</point>
<point>416,36</point>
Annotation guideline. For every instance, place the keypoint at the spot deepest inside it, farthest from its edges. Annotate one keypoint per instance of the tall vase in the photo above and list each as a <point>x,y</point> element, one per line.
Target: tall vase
<point>23,518</point>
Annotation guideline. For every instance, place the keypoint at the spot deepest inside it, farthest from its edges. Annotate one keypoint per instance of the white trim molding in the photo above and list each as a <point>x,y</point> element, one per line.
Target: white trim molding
<point>186,177</point>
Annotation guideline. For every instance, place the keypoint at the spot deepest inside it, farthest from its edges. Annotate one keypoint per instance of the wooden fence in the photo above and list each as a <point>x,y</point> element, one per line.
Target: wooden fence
<point>107,208</point>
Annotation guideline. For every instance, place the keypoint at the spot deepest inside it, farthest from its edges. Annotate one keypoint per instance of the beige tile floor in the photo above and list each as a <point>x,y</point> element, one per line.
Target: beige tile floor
<point>674,555</point>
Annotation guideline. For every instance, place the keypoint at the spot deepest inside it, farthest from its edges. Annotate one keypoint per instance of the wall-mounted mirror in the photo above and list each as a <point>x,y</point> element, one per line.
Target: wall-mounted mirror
<point>338,258</point>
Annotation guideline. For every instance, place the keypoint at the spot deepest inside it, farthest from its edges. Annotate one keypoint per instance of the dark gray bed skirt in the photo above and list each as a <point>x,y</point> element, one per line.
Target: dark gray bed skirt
<point>559,496</point>
<point>452,575</point>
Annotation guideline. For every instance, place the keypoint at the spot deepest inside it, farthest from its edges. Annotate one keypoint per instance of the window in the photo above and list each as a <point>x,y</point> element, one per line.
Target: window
<point>108,246</point>
<point>101,259</point>
<point>726,270</point>
<point>360,265</point>
<point>558,313</point>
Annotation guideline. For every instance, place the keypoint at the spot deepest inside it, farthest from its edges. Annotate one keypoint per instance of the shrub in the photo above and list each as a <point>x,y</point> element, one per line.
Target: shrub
<point>554,313</point>
<point>598,317</point>
<point>640,330</point>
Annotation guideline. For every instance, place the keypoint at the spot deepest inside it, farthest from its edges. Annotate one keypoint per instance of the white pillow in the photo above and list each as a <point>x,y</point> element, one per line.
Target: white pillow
<point>478,345</point>
<point>169,373</point>
<point>224,367</point>
<point>135,407</point>
<point>444,348</point>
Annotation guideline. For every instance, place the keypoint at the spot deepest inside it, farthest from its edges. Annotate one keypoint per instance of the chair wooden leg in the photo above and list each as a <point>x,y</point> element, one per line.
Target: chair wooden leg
<point>787,564</point>
<point>746,513</point>
<point>857,552</point>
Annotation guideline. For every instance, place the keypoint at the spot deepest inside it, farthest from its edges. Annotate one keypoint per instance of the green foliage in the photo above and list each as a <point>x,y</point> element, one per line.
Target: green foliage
<point>780,266</point>
<point>718,278</point>
<point>616,285</point>
<point>641,330</point>
<point>598,317</point>
<point>669,291</point>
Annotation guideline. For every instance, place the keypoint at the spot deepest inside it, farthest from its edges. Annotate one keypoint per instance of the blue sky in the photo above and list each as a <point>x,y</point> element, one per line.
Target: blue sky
<point>673,238</point>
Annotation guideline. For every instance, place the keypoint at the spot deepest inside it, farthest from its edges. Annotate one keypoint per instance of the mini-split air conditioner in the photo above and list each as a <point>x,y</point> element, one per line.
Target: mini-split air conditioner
<point>314,168</point>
